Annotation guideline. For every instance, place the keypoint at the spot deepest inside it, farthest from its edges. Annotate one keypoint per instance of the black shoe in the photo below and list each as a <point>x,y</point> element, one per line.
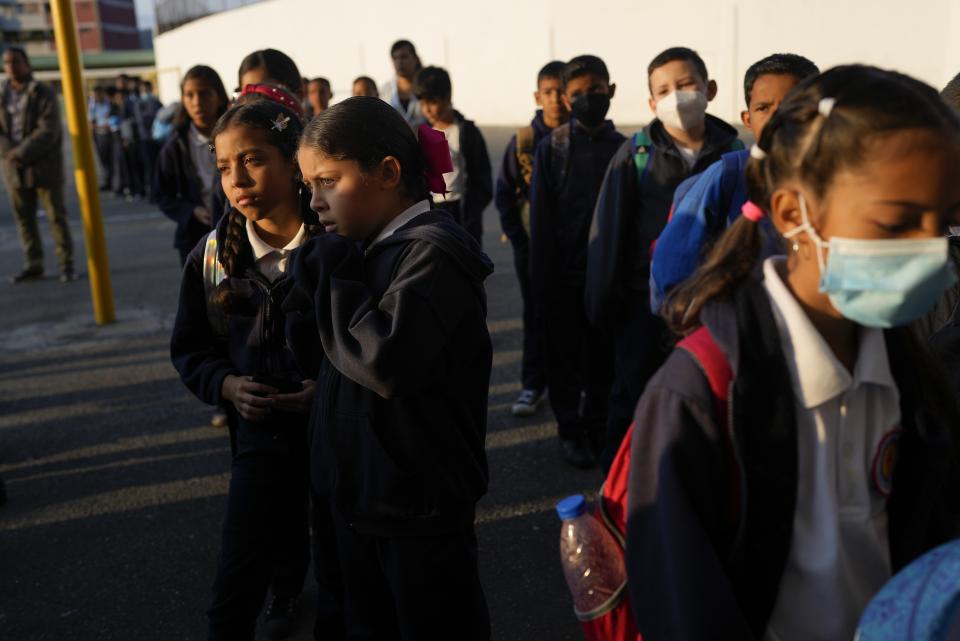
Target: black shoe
<point>27,275</point>
<point>68,275</point>
<point>578,452</point>
<point>280,617</point>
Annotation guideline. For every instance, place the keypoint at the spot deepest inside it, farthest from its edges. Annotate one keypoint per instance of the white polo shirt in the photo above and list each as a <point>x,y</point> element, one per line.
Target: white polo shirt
<point>271,261</point>
<point>847,427</point>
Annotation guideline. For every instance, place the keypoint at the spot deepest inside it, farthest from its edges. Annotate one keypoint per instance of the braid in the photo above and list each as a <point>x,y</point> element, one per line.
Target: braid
<point>228,253</point>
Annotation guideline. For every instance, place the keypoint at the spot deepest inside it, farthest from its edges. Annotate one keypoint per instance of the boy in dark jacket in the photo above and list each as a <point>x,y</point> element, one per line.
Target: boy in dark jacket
<point>567,175</point>
<point>513,202</point>
<point>470,184</point>
<point>631,211</point>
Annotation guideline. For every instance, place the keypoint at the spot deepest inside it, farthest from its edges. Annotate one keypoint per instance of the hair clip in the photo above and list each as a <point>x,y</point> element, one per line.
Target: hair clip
<point>752,212</point>
<point>826,106</point>
<point>756,153</point>
<point>281,122</point>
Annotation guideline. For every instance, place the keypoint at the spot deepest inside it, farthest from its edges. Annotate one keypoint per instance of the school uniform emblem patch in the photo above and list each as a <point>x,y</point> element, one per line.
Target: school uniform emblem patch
<point>885,460</point>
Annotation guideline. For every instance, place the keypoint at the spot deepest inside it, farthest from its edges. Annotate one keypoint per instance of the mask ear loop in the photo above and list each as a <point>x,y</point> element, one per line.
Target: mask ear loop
<point>811,232</point>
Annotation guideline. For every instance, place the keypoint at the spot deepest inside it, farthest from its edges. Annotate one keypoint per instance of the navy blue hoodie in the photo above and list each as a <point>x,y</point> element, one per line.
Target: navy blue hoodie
<point>398,427</point>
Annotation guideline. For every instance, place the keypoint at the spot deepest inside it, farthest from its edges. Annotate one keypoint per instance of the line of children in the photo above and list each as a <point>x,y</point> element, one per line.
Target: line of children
<point>513,202</point>
<point>230,345</point>
<point>470,184</point>
<point>396,288</point>
<point>185,185</point>
<point>777,510</point>
<point>631,211</point>
<point>706,204</point>
<point>569,167</point>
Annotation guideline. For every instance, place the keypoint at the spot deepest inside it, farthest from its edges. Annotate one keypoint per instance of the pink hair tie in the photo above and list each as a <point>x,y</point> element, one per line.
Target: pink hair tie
<point>752,212</point>
<point>436,153</point>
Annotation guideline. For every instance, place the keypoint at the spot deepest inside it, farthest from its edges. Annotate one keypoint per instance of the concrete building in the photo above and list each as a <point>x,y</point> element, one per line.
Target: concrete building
<point>493,49</point>
<point>103,25</point>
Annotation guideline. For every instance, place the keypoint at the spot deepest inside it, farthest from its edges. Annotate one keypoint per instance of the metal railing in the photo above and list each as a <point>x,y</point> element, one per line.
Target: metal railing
<point>171,14</point>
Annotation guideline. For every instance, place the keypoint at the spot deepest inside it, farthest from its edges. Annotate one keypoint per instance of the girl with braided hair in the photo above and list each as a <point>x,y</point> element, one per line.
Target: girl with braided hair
<point>800,446</point>
<point>230,345</point>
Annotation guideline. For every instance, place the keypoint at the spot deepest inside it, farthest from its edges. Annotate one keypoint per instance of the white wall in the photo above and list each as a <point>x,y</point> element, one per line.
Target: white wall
<point>493,49</point>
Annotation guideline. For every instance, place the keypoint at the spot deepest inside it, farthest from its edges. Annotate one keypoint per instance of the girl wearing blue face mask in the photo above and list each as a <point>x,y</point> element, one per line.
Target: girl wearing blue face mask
<point>799,446</point>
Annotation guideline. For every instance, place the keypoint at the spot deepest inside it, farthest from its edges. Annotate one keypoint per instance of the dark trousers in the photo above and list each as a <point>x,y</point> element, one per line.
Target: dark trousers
<point>104,144</point>
<point>473,224</point>
<point>642,344</point>
<point>148,160</point>
<point>532,373</point>
<point>579,366</point>
<point>133,168</point>
<point>265,531</point>
<point>412,588</point>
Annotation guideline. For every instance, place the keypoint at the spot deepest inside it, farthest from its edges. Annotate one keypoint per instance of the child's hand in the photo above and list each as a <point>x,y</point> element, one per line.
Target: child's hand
<point>252,400</point>
<point>298,403</point>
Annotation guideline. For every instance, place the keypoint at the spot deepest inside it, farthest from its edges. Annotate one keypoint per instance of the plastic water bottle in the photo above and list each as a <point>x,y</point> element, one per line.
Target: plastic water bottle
<point>592,559</point>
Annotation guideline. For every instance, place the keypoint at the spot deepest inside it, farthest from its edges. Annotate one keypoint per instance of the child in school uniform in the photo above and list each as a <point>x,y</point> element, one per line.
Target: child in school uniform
<point>230,348</point>
<point>706,204</point>
<point>774,507</point>
<point>512,199</point>
<point>631,211</point>
<point>470,184</point>
<point>399,422</point>
<point>568,171</point>
<point>271,65</point>
<point>185,185</point>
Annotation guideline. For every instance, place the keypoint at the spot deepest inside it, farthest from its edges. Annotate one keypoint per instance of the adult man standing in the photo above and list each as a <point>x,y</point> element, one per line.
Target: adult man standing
<point>31,158</point>
<point>399,90</point>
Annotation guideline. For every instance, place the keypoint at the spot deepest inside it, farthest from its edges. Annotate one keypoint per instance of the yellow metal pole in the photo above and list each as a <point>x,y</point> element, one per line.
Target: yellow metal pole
<point>68,54</point>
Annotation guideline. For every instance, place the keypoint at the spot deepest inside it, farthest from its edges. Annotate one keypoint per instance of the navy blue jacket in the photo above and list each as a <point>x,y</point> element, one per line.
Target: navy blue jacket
<point>399,421</point>
<point>630,216</point>
<point>696,574</point>
<point>511,191</point>
<point>562,200</point>
<point>256,340</point>
<point>479,188</point>
<point>177,191</point>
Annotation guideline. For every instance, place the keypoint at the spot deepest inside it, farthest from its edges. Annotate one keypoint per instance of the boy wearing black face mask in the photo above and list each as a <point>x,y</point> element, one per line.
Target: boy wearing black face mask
<point>632,210</point>
<point>568,171</point>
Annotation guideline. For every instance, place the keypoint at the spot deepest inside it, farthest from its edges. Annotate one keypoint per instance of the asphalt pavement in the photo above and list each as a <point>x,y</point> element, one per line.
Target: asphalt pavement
<point>117,483</point>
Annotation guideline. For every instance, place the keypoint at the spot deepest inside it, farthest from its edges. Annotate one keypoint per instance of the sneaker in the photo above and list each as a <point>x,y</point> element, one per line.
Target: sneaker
<point>280,617</point>
<point>528,402</point>
<point>28,274</point>
<point>68,275</point>
<point>578,452</point>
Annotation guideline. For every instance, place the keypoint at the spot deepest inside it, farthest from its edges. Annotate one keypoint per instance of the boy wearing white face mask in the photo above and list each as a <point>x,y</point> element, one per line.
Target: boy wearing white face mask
<point>631,211</point>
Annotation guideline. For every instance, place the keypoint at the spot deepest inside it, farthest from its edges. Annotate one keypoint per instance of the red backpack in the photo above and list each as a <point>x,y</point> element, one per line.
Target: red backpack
<point>613,621</point>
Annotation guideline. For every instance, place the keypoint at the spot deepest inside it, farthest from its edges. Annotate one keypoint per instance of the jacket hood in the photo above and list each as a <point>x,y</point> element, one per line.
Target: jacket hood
<point>439,229</point>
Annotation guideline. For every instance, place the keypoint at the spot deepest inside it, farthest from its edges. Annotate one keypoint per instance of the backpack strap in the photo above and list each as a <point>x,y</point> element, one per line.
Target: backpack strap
<point>526,137</point>
<point>715,366</point>
<point>641,148</point>
<point>560,150</point>
<point>213,275</point>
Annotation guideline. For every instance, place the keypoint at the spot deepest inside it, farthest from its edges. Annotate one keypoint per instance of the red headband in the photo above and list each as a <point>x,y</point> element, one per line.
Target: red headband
<point>752,212</point>
<point>277,94</point>
<point>436,153</point>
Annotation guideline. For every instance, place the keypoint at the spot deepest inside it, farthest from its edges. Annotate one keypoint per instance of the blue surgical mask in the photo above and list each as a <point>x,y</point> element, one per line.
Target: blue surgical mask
<point>880,283</point>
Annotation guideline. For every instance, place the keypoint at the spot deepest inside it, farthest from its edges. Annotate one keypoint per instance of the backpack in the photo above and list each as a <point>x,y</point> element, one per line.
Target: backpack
<point>614,620</point>
<point>525,154</point>
<point>213,275</point>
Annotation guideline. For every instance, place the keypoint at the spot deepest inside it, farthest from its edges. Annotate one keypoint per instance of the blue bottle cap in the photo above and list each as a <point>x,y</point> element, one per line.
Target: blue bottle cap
<point>571,507</point>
